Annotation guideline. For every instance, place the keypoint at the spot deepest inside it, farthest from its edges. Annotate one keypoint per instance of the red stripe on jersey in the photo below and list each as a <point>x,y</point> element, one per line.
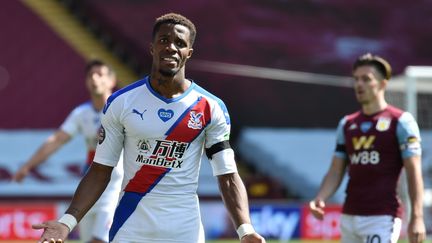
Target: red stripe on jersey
<point>192,123</point>
<point>146,178</point>
<point>90,157</point>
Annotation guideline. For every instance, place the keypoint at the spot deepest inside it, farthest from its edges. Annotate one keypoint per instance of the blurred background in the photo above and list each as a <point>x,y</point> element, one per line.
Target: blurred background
<point>282,68</point>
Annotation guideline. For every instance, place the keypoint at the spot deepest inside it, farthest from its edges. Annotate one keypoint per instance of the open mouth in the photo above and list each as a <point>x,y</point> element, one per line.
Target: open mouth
<point>359,92</point>
<point>170,60</point>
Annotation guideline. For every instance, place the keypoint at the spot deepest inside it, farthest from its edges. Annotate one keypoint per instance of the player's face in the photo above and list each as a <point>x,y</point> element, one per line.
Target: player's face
<point>99,80</point>
<point>170,49</point>
<point>367,84</point>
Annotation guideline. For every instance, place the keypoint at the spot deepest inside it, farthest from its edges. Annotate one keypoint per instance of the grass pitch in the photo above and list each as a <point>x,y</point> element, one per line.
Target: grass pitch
<point>226,241</point>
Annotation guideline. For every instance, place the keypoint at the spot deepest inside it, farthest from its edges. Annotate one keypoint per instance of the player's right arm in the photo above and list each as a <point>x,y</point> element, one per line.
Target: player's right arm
<point>329,185</point>
<point>89,190</point>
<point>51,145</point>
<point>334,175</point>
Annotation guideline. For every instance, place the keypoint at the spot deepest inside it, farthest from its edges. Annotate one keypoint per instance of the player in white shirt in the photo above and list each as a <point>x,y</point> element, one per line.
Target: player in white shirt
<point>85,120</point>
<point>164,123</point>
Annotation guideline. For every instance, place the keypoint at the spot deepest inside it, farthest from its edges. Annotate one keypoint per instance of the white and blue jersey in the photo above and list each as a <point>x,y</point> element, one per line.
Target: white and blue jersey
<point>163,141</point>
<point>85,120</point>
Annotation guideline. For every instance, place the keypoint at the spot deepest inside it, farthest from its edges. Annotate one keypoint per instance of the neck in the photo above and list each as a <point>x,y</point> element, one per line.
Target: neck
<point>374,107</point>
<point>99,101</point>
<point>169,87</point>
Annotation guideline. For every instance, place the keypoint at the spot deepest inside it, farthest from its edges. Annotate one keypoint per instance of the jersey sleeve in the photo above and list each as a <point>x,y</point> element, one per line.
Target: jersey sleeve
<point>408,134</point>
<point>71,124</point>
<point>217,145</point>
<point>340,150</point>
<point>111,136</point>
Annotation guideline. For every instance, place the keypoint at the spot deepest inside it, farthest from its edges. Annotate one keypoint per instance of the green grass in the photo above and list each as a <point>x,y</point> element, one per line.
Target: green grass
<point>297,241</point>
<point>231,241</point>
<point>274,241</point>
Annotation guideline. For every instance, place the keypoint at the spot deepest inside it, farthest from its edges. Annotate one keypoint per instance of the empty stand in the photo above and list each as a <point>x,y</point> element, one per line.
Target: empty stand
<point>43,78</point>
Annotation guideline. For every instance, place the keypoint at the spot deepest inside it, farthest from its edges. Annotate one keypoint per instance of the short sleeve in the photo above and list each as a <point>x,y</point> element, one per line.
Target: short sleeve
<point>340,150</point>
<point>111,136</point>
<point>217,140</point>
<point>408,134</point>
<point>71,124</point>
<point>220,126</point>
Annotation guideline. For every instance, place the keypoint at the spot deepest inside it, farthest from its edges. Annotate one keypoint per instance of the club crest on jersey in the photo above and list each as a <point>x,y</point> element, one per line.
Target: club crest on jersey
<point>101,135</point>
<point>195,120</point>
<point>383,124</point>
<point>365,126</point>
<point>165,115</point>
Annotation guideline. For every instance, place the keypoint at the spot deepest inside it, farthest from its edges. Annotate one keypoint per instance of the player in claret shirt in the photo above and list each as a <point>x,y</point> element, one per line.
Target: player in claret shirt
<point>163,122</point>
<point>373,145</point>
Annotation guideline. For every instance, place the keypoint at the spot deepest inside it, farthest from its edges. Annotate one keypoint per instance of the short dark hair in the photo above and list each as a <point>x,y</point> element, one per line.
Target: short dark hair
<point>96,63</point>
<point>174,18</point>
<point>380,64</point>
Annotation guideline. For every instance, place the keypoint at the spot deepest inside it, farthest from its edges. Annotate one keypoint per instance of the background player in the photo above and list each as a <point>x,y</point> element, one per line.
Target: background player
<point>163,122</point>
<point>85,119</point>
<point>374,144</point>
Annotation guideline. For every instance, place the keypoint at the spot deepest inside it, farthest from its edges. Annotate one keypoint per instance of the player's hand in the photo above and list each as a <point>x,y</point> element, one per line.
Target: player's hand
<point>21,173</point>
<point>253,238</point>
<point>416,230</point>
<point>316,207</point>
<point>54,232</point>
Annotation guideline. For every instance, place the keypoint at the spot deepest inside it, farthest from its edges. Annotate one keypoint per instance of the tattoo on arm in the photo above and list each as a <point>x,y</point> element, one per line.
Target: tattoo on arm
<point>74,211</point>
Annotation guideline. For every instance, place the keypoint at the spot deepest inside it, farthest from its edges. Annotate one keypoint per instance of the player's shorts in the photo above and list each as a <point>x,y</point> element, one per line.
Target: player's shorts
<point>370,229</point>
<point>158,218</point>
<point>96,224</point>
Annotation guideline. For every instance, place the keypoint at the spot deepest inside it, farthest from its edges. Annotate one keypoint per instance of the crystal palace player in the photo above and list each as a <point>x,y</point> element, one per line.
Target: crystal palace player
<point>163,123</point>
<point>85,120</point>
<point>374,144</point>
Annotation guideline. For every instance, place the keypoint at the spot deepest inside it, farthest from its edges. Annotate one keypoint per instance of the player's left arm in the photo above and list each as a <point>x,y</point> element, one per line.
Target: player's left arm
<point>235,198</point>
<point>416,226</point>
<point>408,134</point>
<point>221,156</point>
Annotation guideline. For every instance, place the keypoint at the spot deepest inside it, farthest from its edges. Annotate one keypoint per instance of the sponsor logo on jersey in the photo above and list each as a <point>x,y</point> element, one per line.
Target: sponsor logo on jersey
<point>165,115</point>
<point>383,124</point>
<point>166,153</point>
<point>365,157</point>
<point>135,111</point>
<point>101,135</point>
<point>363,142</point>
<point>363,154</point>
<point>365,126</point>
<point>195,120</point>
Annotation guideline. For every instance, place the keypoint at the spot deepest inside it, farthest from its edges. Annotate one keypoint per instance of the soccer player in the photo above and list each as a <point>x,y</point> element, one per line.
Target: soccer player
<point>373,145</point>
<point>85,119</point>
<point>164,123</point>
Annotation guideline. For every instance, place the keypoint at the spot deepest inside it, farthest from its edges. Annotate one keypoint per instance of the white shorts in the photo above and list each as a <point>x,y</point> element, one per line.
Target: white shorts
<point>96,224</point>
<point>370,229</point>
<point>173,218</point>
